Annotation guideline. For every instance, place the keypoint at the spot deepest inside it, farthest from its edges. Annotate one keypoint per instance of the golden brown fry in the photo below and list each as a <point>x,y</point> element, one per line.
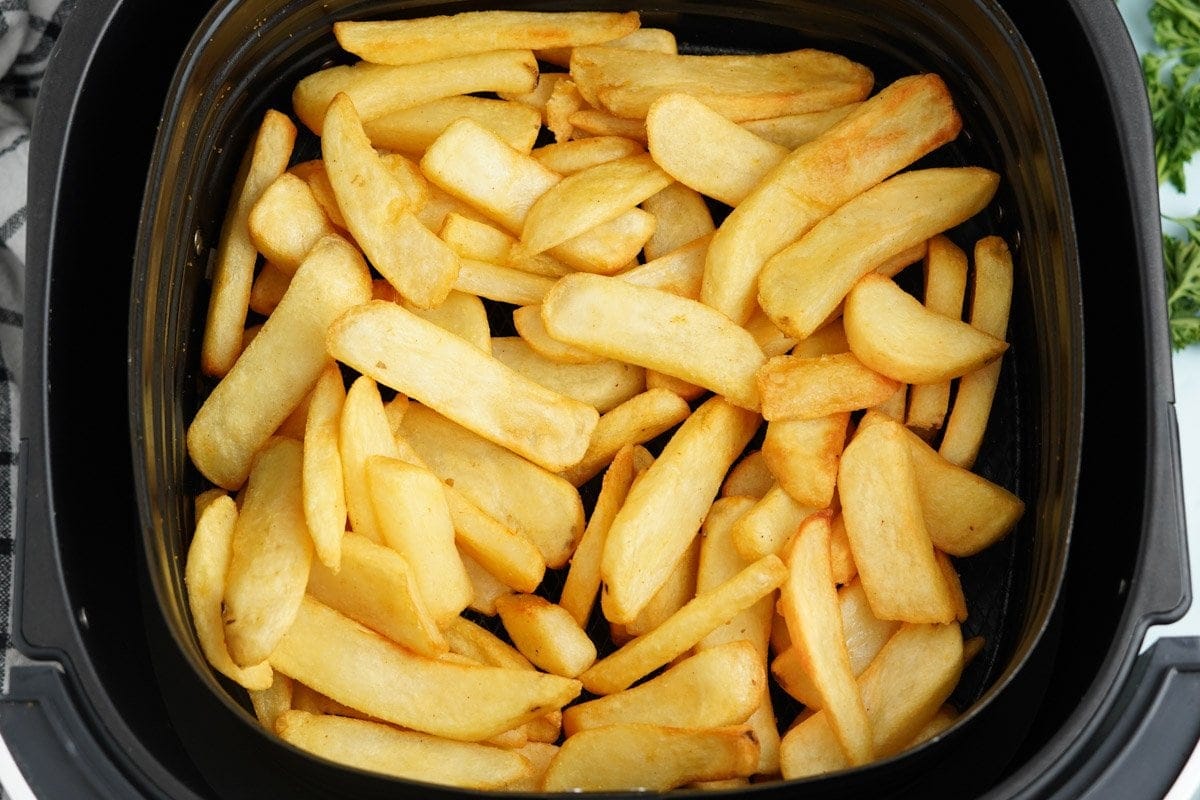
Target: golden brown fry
<point>509,556</point>
<point>287,221</point>
<point>593,122</point>
<point>563,101</point>
<point>810,388</point>
<point>364,431</point>
<point>803,455</point>
<point>531,328</point>
<point>500,283</point>
<point>766,528</point>
<point>683,217</point>
<point>265,160</point>
<point>412,130</point>
<point>271,702</point>
<point>674,594</point>
<point>654,39</point>
<point>313,173</point>
<point>546,634</point>
<point>323,480</point>
<point>567,158</point>
<point>269,288</point>
<point>794,130</point>
<point>604,384</point>
<point>945,286</point>
<point>639,419</point>
<point>749,478</point>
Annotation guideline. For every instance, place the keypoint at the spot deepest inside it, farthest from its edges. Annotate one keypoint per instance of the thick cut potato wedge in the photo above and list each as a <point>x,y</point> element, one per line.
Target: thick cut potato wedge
<point>881,508</point>
<point>674,594</point>
<point>683,217</point>
<point>766,528</point>
<point>809,603</point>
<point>811,388</point>
<point>706,151</point>
<point>990,301</point>
<point>895,335</point>
<point>268,290</point>
<point>945,287</point>
<point>615,758</point>
<point>469,386</point>
<point>540,94</point>
<point>265,160</point>
<point>313,173</point>
<point>803,455</point>
<point>323,477</point>
<point>902,689</point>
<point>377,90</point>
<point>477,241</point>
<point>593,122</point>
<point>546,634</point>
<point>627,82</point>
<point>589,198</point>
<point>655,40</point>
<point>637,420</point>
<point>583,578</point>
<point>358,667</point>
<point>364,432</point>
<point>906,120</point>
<point>414,520</point>
<point>271,702</point>
<point>564,101</point>
<point>577,155</point>
<point>520,495</point>
<point>655,329</point>
<point>270,558</point>
<point>411,41</point>
<point>794,130</point>
<point>500,283</point>
<point>412,130</point>
<point>402,754</point>
<point>750,478</point>
<point>479,644</point>
<point>460,313</point>
<point>686,627</point>
<point>509,556</point>
<point>532,329</point>
<point>604,384</point>
<point>608,248</point>
<point>207,564</point>
<point>377,207</point>
<point>486,588</point>
<point>801,286</point>
<point>772,341</point>
<point>280,365</point>
<point>665,508</point>
<point>287,221</point>
<point>377,587</point>
<point>719,686</point>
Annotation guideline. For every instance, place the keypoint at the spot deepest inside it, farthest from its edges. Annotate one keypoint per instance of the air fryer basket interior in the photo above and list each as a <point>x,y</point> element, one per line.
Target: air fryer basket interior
<point>227,79</point>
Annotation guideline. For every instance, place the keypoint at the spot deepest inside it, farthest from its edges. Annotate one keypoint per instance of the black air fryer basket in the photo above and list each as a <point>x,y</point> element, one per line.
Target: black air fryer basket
<point>1058,704</point>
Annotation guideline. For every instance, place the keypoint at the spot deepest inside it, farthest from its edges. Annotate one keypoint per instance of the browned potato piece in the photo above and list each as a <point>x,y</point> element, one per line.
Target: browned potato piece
<point>945,287</point>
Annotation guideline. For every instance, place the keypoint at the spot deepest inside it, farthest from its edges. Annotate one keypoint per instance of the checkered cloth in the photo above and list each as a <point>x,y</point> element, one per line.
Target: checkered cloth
<point>28,30</point>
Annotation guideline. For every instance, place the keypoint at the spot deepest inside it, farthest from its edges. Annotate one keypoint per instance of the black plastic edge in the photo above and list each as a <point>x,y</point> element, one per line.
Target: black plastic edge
<point>52,744</point>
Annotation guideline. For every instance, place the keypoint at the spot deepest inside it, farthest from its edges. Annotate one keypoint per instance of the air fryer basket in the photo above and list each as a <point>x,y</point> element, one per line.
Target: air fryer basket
<point>226,81</point>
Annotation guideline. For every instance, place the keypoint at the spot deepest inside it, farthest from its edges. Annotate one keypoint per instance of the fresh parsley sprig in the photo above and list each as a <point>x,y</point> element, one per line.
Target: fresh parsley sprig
<point>1182,259</point>
<point>1173,83</point>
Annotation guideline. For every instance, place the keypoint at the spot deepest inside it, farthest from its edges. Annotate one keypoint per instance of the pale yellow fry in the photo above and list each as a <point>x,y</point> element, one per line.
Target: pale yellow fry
<point>680,271</point>
<point>506,554</point>
<point>537,97</point>
<point>280,365</point>
<point>594,122</point>
<point>486,588</point>
<point>441,205</point>
<point>990,300</point>
<point>412,130</point>
<point>608,248</point>
<point>627,82</point>
<point>520,495</point>
<point>364,431</point>
<point>664,509</point>
<point>567,158</point>
<point>414,520</point>
<point>683,217</point>
<point>945,287</point>
<point>881,508</point>
<point>906,120</point>
<point>703,149</point>
<point>676,591</point>
<point>468,639</point>
<point>502,284</point>
<point>809,603</point>
<point>477,241</point>
<point>896,403</point>
<point>803,455</point>
<point>683,629</point>
<point>287,221</point>
<point>411,41</point>
<point>271,555</point>
<point>208,561</point>
<point>772,341</point>
<point>660,380</point>
<point>589,198</point>
<point>840,556</point>
<point>378,587</point>
<point>271,702</point>
<point>546,634</point>
<point>539,755</point>
<point>654,39</point>
<point>314,174</point>
<point>294,426</point>
<point>614,758</point>
<point>378,210</point>
<point>902,690</point>
<point>464,383</point>
<point>808,388</point>
<point>955,584</point>
<point>460,313</point>
<point>767,527</point>
<point>892,333</point>
<point>353,665</point>
<point>564,101</point>
<point>269,288</point>
<point>749,478</point>
<point>583,578</point>
<point>639,419</point>
<point>323,481</point>
<point>531,328</point>
<point>377,90</point>
<point>265,160</point>
<point>794,130</point>
<point>402,754</point>
<point>604,384</point>
<point>716,687</point>
<point>802,285</point>
<point>941,722</point>
<point>476,166</point>
<point>205,498</point>
<point>655,329</point>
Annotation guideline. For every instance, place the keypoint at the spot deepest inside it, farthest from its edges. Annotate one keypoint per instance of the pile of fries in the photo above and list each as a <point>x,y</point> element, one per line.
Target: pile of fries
<point>384,464</point>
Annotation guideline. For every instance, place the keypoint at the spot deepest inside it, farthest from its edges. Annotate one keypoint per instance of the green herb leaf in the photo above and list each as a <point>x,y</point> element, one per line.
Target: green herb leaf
<point>1173,86</point>
<point>1182,260</point>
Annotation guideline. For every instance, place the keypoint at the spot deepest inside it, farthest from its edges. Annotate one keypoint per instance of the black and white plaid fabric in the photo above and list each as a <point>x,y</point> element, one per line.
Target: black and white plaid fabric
<point>28,30</point>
